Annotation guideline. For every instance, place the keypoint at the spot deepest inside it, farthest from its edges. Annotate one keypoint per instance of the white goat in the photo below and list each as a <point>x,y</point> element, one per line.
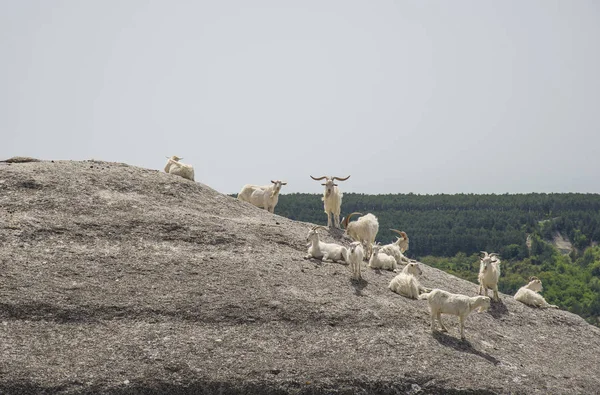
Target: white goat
<point>381,260</point>
<point>461,305</point>
<point>406,283</point>
<point>364,229</point>
<point>529,295</point>
<point>489,273</point>
<point>177,168</point>
<point>356,256</point>
<point>332,199</point>
<point>320,250</point>
<point>262,196</point>
<point>397,248</point>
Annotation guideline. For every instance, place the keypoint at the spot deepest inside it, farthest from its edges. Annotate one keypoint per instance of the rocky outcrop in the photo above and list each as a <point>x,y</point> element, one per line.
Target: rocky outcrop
<point>121,280</point>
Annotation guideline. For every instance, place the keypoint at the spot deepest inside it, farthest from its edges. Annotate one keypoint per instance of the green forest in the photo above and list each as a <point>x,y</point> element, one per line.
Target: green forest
<point>448,231</point>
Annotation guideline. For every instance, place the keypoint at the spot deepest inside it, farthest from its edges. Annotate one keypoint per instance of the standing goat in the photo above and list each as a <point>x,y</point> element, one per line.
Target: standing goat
<point>455,304</point>
<point>355,258</point>
<point>397,248</point>
<point>265,196</point>
<point>320,250</point>
<point>332,199</point>
<point>489,273</point>
<point>364,229</point>
<point>177,168</point>
<point>406,283</point>
<point>529,295</point>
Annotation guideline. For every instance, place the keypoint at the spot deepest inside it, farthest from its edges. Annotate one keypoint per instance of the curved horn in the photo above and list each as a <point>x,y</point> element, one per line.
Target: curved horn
<point>340,179</point>
<point>403,234</point>
<point>532,278</point>
<point>486,255</point>
<point>317,179</point>
<point>493,254</point>
<point>318,226</point>
<point>347,219</point>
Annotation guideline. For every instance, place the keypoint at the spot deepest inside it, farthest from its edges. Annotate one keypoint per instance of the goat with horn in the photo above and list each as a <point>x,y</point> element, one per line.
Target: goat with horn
<point>265,196</point>
<point>489,273</point>
<point>364,229</point>
<point>175,167</point>
<point>332,199</point>
<point>397,248</point>
<point>530,294</point>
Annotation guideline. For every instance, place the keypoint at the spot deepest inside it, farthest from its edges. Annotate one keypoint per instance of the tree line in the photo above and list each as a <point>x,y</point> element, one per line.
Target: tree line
<point>449,231</point>
<point>444,225</point>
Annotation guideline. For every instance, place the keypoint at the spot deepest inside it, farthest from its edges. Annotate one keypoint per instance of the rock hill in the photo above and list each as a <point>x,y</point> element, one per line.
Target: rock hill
<point>121,280</point>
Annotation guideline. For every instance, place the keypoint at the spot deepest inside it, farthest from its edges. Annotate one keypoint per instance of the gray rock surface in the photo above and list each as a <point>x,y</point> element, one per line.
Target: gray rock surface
<point>121,280</point>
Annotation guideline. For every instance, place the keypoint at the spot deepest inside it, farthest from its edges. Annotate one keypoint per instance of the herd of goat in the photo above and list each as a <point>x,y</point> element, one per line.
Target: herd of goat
<point>387,257</point>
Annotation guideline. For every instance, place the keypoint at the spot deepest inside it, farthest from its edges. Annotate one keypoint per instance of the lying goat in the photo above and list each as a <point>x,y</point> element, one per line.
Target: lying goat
<point>175,167</point>
<point>529,294</point>
<point>381,260</point>
<point>265,196</point>
<point>397,248</point>
<point>323,251</point>
<point>406,283</point>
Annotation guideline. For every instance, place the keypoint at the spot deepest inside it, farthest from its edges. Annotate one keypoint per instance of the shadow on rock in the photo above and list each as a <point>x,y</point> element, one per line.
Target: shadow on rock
<point>338,234</point>
<point>497,309</point>
<point>462,345</point>
<point>358,286</point>
<point>90,314</point>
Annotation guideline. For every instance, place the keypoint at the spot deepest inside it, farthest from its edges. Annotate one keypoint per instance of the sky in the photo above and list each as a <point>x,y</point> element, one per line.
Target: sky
<point>427,97</point>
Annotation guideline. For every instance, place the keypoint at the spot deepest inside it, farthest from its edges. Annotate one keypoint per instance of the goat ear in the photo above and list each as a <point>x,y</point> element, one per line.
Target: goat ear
<point>335,185</point>
<point>284,183</point>
<point>323,184</point>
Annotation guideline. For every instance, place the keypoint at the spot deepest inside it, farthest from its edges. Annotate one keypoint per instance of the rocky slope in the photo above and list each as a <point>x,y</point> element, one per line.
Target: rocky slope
<point>121,280</point>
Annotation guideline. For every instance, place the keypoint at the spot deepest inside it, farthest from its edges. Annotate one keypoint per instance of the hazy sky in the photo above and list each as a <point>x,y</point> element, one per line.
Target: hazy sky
<point>406,96</point>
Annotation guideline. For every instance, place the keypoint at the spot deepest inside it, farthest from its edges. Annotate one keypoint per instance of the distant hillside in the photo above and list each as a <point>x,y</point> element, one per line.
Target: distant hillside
<point>447,231</point>
<point>121,280</point>
<point>444,225</point>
